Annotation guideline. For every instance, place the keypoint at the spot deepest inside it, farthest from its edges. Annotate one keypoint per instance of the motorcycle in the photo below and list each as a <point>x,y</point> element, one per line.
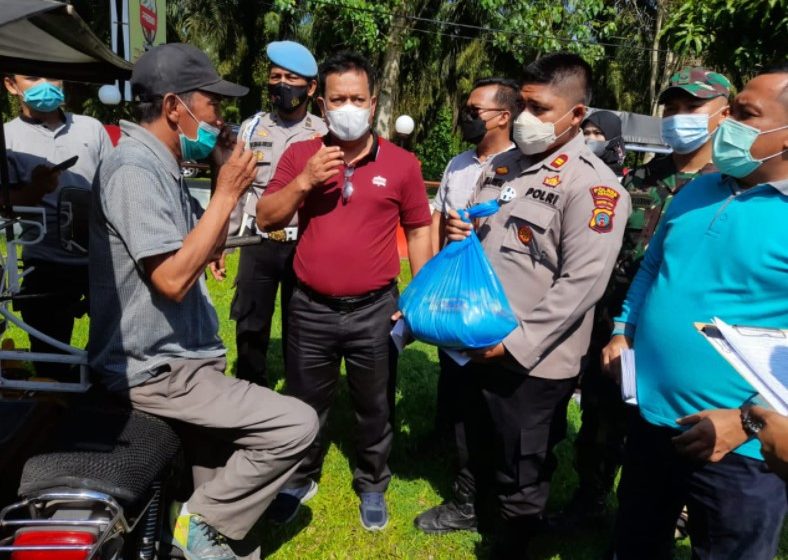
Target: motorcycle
<point>94,475</point>
<point>97,490</point>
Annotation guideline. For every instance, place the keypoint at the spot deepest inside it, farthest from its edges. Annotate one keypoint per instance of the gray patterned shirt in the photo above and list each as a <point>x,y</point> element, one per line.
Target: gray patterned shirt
<point>141,208</point>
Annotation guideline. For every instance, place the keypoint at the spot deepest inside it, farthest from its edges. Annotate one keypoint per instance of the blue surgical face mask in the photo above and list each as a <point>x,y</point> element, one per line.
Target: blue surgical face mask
<point>43,97</point>
<point>195,149</point>
<point>686,133</point>
<point>731,148</point>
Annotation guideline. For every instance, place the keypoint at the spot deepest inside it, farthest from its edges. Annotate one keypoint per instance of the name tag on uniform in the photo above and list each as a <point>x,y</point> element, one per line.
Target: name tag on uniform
<point>507,194</point>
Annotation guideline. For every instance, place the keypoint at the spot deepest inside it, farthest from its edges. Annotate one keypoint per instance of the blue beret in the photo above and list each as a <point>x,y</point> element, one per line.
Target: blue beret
<point>292,56</point>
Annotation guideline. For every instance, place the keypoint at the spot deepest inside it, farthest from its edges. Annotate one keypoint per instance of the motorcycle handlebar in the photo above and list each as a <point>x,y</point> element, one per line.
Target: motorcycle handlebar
<point>242,241</point>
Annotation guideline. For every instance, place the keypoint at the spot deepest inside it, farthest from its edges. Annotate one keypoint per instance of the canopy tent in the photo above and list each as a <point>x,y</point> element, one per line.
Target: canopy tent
<point>48,38</point>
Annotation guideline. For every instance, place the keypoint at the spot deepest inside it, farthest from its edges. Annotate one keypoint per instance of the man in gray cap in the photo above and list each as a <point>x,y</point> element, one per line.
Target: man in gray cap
<point>153,331</point>
<point>292,81</point>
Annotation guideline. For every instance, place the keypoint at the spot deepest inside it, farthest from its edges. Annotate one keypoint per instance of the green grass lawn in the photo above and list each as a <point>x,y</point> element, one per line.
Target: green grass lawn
<point>328,527</point>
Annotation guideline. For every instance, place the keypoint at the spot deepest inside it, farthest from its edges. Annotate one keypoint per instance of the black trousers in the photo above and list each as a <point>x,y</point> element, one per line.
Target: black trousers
<point>320,336</point>
<point>64,291</point>
<point>736,506</point>
<point>599,447</point>
<point>448,409</point>
<point>511,425</point>
<point>262,269</point>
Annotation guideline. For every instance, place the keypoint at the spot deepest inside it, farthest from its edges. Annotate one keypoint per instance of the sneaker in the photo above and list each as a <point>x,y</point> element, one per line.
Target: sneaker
<point>199,541</point>
<point>448,517</point>
<point>285,506</point>
<point>374,516</point>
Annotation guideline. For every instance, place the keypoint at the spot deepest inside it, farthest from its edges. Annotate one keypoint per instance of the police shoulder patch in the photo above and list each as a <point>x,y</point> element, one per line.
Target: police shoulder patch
<point>605,201</point>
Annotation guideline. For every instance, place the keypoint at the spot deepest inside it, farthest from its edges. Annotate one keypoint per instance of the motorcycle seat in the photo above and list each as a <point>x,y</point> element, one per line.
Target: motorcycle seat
<point>115,451</point>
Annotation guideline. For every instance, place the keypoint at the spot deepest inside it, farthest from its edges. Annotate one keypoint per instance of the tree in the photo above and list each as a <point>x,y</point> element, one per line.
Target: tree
<point>234,33</point>
<point>735,37</point>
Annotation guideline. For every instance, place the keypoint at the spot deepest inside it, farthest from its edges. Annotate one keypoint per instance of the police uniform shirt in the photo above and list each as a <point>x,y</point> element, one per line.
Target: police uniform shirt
<point>553,247</point>
<point>268,135</point>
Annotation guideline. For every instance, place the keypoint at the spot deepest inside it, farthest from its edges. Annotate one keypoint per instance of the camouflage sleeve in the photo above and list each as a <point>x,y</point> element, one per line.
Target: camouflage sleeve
<point>641,284</point>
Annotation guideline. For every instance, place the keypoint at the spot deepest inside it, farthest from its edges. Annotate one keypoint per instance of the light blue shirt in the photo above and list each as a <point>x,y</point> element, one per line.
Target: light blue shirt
<point>719,251</point>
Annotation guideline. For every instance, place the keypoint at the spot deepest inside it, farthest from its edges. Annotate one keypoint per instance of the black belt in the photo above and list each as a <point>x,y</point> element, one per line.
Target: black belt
<point>346,303</point>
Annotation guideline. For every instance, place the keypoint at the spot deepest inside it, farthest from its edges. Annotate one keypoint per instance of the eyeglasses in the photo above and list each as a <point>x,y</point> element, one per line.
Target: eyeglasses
<point>347,188</point>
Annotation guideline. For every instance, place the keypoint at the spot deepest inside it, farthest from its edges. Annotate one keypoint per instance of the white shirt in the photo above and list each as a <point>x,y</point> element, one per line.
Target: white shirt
<point>459,180</point>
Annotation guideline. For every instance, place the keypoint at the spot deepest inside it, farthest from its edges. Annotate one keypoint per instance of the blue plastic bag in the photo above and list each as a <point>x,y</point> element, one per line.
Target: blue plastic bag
<point>456,301</point>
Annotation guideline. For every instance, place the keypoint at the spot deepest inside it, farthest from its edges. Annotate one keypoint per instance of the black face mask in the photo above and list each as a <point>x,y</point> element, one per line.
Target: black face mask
<point>287,98</point>
<point>473,128</point>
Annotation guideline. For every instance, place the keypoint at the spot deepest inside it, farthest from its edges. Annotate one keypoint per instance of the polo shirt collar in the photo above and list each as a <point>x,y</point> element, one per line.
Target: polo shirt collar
<point>162,153</point>
<point>328,140</point>
<point>475,156</point>
<point>781,186</point>
<point>66,120</point>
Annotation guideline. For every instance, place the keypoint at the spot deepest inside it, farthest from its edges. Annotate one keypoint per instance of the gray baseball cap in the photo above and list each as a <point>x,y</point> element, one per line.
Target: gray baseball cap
<point>178,68</point>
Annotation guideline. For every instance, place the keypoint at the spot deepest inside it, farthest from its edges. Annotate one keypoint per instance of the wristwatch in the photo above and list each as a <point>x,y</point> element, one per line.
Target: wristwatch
<point>750,425</point>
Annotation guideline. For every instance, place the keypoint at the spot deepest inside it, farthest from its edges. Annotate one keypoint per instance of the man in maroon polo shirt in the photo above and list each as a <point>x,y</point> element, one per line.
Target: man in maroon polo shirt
<point>351,190</point>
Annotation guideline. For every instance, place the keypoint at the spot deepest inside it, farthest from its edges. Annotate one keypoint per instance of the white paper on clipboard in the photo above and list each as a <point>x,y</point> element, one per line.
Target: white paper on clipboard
<point>759,355</point>
<point>628,377</point>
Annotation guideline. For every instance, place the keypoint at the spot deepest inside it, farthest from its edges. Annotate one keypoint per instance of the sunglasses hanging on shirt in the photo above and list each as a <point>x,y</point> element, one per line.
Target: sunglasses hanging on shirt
<point>347,188</point>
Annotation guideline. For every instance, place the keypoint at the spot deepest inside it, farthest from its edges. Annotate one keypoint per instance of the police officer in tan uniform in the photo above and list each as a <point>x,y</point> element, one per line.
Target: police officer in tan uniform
<point>553,245</point>
<point>292,81</point>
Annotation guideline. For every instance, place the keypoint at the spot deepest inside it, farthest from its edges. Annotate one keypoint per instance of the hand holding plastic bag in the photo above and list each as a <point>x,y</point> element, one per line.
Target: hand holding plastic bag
<point>456,301</point>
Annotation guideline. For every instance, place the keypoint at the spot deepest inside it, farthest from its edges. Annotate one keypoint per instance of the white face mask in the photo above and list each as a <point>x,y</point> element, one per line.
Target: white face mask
<point>533,136</point>
<point>349,122</point>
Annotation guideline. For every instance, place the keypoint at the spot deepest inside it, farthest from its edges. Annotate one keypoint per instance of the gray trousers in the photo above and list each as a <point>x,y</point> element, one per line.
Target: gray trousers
<point>269,434</point>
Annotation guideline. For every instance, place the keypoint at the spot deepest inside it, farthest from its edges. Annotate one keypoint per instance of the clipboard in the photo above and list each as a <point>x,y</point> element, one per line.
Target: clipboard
<point>750,351</point>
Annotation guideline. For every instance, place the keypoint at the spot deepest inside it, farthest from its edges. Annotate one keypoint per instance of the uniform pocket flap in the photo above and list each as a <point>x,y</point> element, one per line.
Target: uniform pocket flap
<point>540,215</point>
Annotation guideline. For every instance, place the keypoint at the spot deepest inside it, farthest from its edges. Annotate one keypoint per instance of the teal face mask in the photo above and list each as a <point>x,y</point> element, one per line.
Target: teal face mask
<point>194,149</point>
<point>731,148</point>
<point>43,97</point>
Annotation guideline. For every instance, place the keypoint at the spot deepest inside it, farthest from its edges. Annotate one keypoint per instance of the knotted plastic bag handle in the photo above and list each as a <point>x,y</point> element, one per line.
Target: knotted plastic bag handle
<point>481,210</point>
